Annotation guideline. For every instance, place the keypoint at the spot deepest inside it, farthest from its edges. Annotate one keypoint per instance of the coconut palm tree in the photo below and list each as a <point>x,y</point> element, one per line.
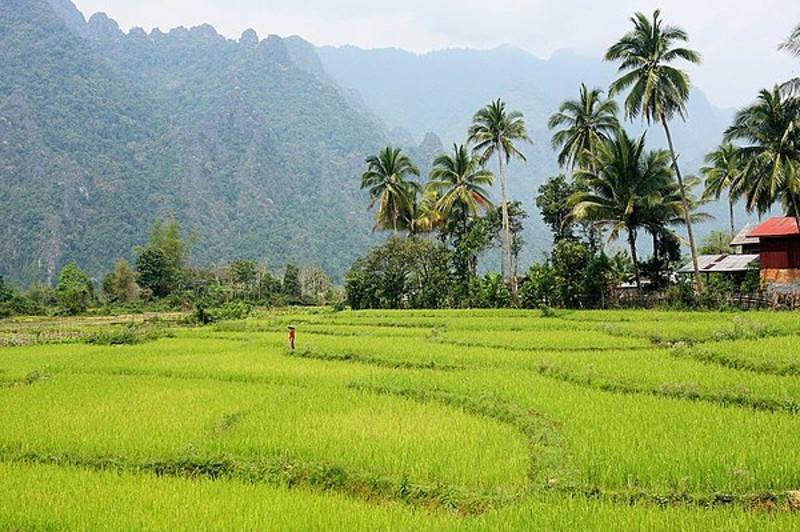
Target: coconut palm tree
<point>792,45</point>
<point>625,188</point>
<point>494,131</point>
<point>460,182</point>
<point>661,216</point>
<point>658,91</point>
<point>769,133</point>
<point>723,171</point>
<point>386,181</point>
<point>427,217</point>
<point>583,123</point>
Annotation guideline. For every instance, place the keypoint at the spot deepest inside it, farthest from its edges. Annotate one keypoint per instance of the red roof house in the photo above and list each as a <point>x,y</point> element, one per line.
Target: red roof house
<point>780,253</point>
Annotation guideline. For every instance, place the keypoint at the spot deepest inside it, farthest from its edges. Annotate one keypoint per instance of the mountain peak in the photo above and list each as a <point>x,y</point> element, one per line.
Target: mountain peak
<point>102,28</point>
<point>70,14</point>
<point>249,38</point>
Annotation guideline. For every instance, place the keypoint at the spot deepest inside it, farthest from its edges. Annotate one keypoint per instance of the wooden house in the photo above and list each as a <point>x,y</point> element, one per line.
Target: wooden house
<point>779,245</point>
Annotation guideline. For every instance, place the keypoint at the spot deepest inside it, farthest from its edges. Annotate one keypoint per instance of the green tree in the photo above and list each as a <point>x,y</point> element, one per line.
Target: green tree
<point>6,292</point>
<point>119,286</point>
<point>554,206</point>
<point>658,91</point>
<point>386,181</point>
<point>716,243</point>
<point>153,271</point>
<point>460,184</point>
<point>74,290</point>
<point>516,226</point>
<point>723,171</point>
<point>291,284</point>
<point>175,248</point>
<point>315,284</point>
<point>411,272</point>
<point>540,287</point>
<point>495,131</point>
<point>244,272</point>
<point>769,133</point>
<point>627,183</point>
<point>583,123</point>
<point>157,234</point>
<point>569,260</point>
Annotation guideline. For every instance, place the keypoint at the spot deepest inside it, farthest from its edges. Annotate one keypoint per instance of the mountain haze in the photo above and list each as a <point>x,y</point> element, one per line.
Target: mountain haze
<point>255,145</point>
<point>440,91</point>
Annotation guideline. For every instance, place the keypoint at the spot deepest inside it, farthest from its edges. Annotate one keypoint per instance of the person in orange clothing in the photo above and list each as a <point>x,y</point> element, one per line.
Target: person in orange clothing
<point>291,336</point>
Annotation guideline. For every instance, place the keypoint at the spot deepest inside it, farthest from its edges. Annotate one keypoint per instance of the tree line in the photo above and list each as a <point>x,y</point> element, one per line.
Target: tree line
<point>162,279</point>
<point>613,187</point>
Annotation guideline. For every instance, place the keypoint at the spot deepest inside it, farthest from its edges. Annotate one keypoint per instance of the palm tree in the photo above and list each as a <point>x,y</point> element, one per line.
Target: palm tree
<point>494,131</point>
<point>668,210</point>
<point>460,181</point>
<point>792,45</point>
<point>625,188</point>
<point>385,179</point>
<point>769,131</point>
<point>427,217</point>
<point>584,124</point>
<point>723,171</point>
<point>658,91</point>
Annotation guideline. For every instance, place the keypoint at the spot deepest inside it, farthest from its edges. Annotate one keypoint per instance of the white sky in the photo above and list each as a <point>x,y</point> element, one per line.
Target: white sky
<point>737,38</point>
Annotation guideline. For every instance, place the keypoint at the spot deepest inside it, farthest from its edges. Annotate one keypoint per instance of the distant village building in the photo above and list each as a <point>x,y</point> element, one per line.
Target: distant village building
<point>779,243</point>
<point>743,243</point>
<point>773,247</point>
<point>733,265</point>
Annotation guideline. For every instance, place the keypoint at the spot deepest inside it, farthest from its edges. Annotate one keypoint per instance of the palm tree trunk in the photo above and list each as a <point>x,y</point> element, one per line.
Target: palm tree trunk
<point>796,212</point>
<point>596,231</point>
<point>506,241</point>
<point>733,224</point>
<point>686,212</point>
<point>655,246</point>
<point>632,243</point>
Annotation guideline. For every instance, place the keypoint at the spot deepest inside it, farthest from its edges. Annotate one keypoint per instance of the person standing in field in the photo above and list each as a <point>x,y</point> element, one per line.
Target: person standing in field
<point>291,336</point>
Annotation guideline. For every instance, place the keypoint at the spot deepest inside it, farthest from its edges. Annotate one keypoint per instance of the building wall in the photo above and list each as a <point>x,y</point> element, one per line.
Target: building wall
<point>783,281</point>
<point>780,253</point>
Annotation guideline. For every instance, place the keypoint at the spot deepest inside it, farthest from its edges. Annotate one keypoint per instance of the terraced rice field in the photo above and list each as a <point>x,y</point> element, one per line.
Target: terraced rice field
<point>451,420</point>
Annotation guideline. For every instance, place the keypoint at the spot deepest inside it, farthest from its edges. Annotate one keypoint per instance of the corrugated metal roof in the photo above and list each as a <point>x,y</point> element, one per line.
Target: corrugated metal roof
<point>780,226</point>
<point>721,263</point>
<point>743,237</point>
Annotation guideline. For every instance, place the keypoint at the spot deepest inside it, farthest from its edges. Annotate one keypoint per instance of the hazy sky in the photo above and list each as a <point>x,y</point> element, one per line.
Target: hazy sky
<point>737,38</point>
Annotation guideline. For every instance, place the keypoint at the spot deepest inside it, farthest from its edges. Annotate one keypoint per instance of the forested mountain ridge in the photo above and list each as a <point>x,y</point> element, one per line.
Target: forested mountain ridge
<point>102,131</point>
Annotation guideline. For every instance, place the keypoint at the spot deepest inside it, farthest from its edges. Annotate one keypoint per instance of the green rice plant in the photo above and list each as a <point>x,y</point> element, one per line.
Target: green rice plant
<point>534,339</point>
<point>656,372</point>
<point>630,443</point>
<point>579,421</point>
<point>92,416</point>
<point>778,356</point>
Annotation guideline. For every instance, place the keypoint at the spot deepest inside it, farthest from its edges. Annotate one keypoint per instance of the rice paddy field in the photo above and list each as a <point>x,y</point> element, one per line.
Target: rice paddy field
<point>408,420</point>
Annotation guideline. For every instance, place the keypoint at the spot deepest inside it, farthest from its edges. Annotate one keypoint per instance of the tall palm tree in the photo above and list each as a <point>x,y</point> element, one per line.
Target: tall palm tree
<point>792,45</point>
<point>461,182</point>
<point>667,212</point>
<point>494,131</point>
<point>386,181</point>
<point>625,188</point>
<point>723,171</point>
<point>583,123</point>
<point>769,131</point>
<point>658,91</point>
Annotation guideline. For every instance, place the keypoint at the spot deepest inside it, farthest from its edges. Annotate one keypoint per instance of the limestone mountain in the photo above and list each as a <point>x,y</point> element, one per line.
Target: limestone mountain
<point>101,131</point>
